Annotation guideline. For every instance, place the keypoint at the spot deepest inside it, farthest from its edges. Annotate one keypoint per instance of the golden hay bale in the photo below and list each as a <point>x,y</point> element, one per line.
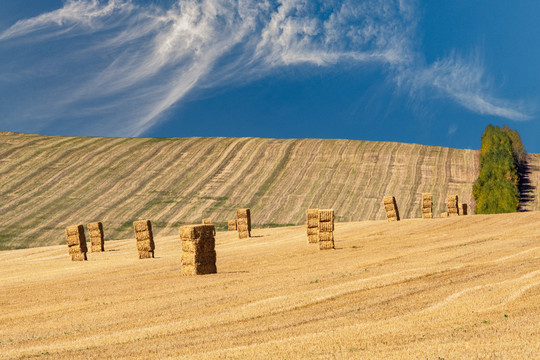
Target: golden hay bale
<point>203,245</point>
<point>96,227</point>
<point>197,232</point>
<point>75,235</point>
<point>312,214</point>
<point>242,227</point>
<point>243,234</point>
<point>444,214</point>
<point>202,269</point>
<point>312,231</point>
<point>207,221</point>
<point>326,226</point>
<point>193,258</point>
<point>313,223</point>
<point>326,245</point>
<point>79,257</point>
<point>326,236</point>
<point>95,230</point>
<point>144,239</point>
<point>452,205</point>
<point>142,225</point>
<point>146,254</point>
<point>313,239</point>
<point>74,250</point>
<point>76,240</point>
<point>144,246</point>
<point>74,230</point>
<point>427,203</point>
<point>391,209</point>
<point>326,215</point>
<point>192,232</point>
<point>232,225</point>
<point>143,236</point>
<point>73,240</point>
<point>426,215</point>
<point>244,215</point>
<point>97,248</point>
<point>242,222</point>
<point>198,249</point>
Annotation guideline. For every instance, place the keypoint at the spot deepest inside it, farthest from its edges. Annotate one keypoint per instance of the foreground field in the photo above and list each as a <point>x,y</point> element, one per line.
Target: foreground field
<point>452,288</point>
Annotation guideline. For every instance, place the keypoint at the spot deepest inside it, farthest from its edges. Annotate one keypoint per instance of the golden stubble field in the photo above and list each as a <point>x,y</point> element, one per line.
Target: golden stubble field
<point>454,288</point>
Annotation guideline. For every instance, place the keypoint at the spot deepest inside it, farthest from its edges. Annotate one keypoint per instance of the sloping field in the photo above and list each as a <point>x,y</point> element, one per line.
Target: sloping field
<point>454,288</point>
<point>48,182</point>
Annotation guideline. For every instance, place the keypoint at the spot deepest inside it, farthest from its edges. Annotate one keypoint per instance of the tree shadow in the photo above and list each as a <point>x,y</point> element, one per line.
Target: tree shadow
<point>526,189</point>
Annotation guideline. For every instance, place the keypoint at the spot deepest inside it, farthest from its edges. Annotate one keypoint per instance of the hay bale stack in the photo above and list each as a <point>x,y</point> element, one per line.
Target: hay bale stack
<point>198,249</point>
<point>326,229</point>
<point>464,209</point>
<point>208,221</point>
<point>312,222</point>
<point>243,223</point>
<point>444,214</point>
<point>76,242</point>
<point>232,225</point>
<point>452,204</point>
<point>427,206</point>
<point>145,239</point>
<point>97,242</point>
<point>390,206</point>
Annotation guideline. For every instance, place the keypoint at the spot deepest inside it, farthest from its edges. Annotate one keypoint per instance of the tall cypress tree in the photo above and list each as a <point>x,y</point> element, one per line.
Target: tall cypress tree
<point>496,189</point>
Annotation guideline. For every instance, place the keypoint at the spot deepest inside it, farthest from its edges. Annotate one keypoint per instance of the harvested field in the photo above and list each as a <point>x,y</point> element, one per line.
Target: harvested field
<point>453,288</point>
<point>48,182</point>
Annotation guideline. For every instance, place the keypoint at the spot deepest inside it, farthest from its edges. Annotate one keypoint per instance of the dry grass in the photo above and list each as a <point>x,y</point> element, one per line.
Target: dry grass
<point>454,288</point>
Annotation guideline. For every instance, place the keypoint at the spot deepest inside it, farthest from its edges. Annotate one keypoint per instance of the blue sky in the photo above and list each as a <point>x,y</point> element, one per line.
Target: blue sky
<point>428,72</point>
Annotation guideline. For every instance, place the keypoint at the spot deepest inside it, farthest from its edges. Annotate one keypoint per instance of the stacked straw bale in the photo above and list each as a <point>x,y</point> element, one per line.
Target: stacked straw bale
<point>427,206</point>
<point>76,242</point>
<point>232,225</point>
<point>452,204</point>
<point>444,214</point>
<point>198,249</point>
<point>208,221</point>
<point>326,229</point>
<point>464,209</point>
<point>312,222</point>
<point>243,223</point>
<point>145,239</point>
<point>390,206</point>
<point>95,230</point>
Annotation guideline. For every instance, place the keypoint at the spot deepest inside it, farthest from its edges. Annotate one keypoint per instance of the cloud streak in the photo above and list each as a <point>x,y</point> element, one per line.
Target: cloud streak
<point>119,65</point>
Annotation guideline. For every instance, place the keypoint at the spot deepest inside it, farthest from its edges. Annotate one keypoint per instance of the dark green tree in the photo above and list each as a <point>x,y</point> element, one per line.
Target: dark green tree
<point>496,189</point>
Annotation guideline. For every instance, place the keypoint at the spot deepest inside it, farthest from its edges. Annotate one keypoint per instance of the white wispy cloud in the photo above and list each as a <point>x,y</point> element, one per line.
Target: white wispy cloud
<point>465,82</point>
<point>119,65</point>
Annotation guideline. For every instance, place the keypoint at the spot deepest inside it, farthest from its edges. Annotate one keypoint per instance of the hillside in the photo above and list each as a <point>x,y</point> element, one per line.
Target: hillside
<point>453,288</point>
<point>49,182</point>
